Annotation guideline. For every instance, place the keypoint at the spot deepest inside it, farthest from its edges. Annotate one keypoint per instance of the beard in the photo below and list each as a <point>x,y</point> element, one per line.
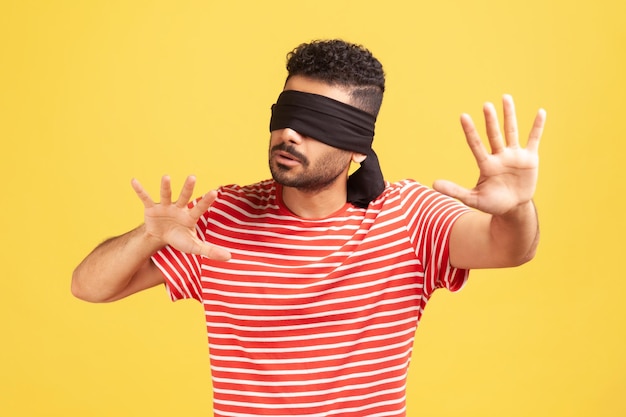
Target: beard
<point>309,176</point>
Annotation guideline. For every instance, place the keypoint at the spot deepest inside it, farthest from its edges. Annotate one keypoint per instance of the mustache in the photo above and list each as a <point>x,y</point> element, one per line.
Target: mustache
<point>285,147</point>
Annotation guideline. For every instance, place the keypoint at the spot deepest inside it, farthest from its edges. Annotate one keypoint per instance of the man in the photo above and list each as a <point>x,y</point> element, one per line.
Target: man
<point>313,283</point>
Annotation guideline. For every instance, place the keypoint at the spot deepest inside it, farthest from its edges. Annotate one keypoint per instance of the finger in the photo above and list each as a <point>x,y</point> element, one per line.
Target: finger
<point>473,139</point>
<point>186,192</point>
<point>214,252</point>
<point>510,122</point>
<point>455,191</point>
<point>166,190</point>
<point>493,128</point>
<point>142,194</point>
<point>537,131</point>
<point>203,205</point>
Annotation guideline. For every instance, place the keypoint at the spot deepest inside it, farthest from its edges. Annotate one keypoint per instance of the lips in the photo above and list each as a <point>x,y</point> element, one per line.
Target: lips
<point>288,156</point>
<point>286,159</point>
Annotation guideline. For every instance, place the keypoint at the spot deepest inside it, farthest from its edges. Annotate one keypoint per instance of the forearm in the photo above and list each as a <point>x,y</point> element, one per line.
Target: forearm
<point>481,240</point>
<point>515,234</point>
<point>109,269</point>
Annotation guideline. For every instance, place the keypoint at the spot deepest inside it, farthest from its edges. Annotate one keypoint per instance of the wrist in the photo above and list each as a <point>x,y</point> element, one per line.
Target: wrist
<point>148,240</point>
<point>521,226</point>
<point>520,211</point>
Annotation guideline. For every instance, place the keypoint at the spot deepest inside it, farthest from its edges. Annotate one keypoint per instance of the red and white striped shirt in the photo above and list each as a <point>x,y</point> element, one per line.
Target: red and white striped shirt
<point>315,317</point>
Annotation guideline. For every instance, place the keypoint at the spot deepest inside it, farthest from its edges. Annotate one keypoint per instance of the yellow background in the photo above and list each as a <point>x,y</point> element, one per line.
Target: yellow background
<point>93,93</point>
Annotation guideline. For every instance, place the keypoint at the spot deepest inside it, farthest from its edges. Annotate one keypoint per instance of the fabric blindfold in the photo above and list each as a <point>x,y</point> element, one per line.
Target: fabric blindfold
<point>322,118</point>
<point>339,125</point>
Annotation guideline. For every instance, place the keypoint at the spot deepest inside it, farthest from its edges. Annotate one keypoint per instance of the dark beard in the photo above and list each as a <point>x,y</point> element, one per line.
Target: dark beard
<point>316,177</point>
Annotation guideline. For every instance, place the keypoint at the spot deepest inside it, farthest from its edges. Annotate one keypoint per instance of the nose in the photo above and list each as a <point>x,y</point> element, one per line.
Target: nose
<point>291,136</point>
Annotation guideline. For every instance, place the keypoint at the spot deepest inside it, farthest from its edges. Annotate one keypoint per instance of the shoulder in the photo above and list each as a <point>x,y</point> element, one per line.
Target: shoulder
<point>403,185</point>
<point>252,200</point>
<point>412,198</point>
<point>400,191</point>
<point>258,194</point>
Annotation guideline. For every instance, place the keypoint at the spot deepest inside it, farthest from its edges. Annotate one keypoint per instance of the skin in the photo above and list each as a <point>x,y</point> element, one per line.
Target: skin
<point>502,231</point>
<point>322,201</point>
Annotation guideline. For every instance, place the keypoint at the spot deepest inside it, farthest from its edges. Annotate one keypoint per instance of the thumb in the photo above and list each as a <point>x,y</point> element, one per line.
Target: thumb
<point>452,189</point>
<point>214,252</point>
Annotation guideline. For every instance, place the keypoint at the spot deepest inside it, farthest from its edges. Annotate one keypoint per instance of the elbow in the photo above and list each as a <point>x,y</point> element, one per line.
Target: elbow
<point>81,291</point>
<point>531,254</point>
<point>77,289</point>
<point>532,251</point>
<point>75,286</point>
<point>525,257</point>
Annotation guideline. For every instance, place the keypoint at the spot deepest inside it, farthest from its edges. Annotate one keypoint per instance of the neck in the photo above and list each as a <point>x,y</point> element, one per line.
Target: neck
<point>315,204</point>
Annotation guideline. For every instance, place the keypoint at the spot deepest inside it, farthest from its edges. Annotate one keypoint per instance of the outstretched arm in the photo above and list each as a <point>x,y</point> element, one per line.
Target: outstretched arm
<point>504,229</point>
<point>122,266</point>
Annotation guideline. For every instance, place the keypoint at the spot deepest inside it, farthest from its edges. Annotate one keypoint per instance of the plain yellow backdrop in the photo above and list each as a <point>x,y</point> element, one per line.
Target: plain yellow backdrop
<point>94,93</point>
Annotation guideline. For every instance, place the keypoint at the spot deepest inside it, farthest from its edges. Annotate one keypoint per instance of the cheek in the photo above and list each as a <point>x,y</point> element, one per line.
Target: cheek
<point>333,158</point>
<point>273,138</point>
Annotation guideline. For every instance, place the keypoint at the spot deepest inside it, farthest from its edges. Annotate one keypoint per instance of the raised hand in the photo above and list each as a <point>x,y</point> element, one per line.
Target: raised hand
<point>508,176</point>
<point>174,223</point>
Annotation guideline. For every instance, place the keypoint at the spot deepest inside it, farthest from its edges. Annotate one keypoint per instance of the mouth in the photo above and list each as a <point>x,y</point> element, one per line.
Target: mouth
<point>286,159</point>
<point>287,156</point>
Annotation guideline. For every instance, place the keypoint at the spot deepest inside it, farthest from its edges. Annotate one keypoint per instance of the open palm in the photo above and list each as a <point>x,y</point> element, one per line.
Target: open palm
<point>508,175</point>
<point>174,223</point>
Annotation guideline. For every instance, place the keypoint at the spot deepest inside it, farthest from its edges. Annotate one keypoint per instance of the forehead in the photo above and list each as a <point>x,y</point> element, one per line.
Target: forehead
<point>310,85</point>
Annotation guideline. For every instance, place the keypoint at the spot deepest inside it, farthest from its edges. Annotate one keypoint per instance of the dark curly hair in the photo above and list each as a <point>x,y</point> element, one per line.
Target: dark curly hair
<point>337,62</point>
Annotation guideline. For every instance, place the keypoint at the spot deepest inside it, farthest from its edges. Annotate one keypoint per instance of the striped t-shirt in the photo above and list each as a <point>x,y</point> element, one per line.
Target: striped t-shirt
<point>315,317</point>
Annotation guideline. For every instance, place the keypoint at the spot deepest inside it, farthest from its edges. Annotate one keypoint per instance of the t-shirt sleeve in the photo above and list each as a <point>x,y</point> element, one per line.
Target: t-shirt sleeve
<point>182,271</point>
<point>430,216</point>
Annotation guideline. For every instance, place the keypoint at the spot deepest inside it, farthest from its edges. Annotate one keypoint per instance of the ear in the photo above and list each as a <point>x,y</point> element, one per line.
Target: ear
<point>358,157</point>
